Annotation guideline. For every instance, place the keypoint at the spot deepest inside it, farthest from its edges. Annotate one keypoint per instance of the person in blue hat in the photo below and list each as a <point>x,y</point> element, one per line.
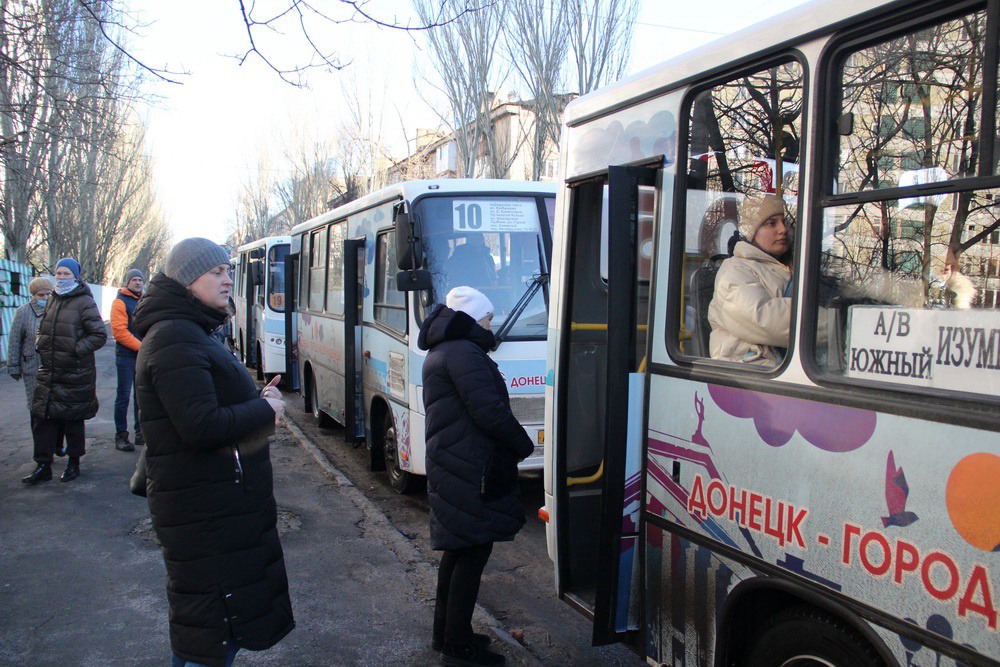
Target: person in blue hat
<point>65,395</point>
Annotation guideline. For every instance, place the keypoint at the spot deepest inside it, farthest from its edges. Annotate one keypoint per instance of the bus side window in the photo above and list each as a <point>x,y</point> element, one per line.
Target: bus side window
<point>305,266</point>
<point>742,156</point>
<point>317,270</point>
<point>901,274</point>
<point>390,303</point>
<point>335,276</point>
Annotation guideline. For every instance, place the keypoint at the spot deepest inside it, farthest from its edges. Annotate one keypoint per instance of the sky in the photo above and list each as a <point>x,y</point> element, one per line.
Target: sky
<point>206,132</point>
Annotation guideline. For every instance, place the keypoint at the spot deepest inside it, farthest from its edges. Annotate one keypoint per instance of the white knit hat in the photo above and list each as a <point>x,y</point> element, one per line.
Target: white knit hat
<point>470,301</point>
<point>755,210</point>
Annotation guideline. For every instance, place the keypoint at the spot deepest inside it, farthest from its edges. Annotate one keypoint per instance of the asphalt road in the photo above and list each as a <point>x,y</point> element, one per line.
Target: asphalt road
<point>82,580</point>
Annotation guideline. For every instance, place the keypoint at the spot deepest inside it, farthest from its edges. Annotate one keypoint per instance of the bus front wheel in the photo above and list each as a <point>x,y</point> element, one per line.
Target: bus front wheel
<point>400,480</point>
<point>808,637</point>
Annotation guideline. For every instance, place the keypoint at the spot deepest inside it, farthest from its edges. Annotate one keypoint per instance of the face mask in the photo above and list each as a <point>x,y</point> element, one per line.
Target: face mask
<point>42,302</point>
<point>64,285</point>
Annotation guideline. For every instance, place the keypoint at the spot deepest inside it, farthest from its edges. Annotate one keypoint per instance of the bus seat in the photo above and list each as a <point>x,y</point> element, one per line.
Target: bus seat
<point>702,291</point>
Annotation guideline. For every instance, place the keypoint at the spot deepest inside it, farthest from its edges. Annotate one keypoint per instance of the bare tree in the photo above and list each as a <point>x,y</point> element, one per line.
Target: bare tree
<point>463,54</point>
<point>255,212</point>
<point>537,44</point>
<point>601,40</point>
<point>312,181</point>
<point>362,156</point>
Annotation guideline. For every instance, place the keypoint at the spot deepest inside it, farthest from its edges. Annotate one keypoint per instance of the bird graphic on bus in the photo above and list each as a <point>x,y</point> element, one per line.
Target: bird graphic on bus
<point>896,492</point>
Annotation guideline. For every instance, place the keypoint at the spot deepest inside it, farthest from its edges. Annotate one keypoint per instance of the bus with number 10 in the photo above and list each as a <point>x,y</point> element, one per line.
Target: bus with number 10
<point>370,271</point>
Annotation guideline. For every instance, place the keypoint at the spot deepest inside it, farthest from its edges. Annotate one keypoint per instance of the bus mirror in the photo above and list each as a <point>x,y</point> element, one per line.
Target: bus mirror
<point>408,253</point>
<point>415,280</point>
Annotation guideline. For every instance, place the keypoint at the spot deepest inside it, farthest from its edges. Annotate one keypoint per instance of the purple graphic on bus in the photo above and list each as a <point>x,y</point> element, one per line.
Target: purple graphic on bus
<point>832,428</point>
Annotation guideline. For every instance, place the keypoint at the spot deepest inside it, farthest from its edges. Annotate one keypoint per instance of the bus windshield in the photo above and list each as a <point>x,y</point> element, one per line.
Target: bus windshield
<point>493,244</point>
<point>276,277</point>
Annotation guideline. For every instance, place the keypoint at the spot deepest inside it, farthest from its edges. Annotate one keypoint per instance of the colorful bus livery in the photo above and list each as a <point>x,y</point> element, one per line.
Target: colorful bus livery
<point>828,494</point>
<point>369,271</point>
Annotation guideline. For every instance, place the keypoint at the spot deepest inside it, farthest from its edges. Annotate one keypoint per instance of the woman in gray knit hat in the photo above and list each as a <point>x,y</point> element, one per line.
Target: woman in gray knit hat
<point>22,362</point>
<point>208,466</point>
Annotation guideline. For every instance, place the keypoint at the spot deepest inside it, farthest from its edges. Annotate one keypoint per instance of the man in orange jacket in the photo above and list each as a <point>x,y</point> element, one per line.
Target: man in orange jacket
<point>126,350</point>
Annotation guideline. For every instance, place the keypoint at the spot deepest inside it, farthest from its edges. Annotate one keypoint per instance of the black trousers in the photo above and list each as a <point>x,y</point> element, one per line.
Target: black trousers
<point>49,433</point>
<point>457,589</point>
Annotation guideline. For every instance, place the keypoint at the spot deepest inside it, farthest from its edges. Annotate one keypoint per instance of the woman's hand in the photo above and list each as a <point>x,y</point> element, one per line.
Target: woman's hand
<point>271,390</point>
<point>278,406</point>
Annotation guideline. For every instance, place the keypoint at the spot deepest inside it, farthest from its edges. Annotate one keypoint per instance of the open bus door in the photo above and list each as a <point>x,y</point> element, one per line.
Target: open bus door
<point>290,267</point>
<point>249,341</point>
<point>354,286</point>
<point>601,421</point>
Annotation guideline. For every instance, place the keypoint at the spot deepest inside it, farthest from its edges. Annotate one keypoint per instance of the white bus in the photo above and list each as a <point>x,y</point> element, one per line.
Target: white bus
<point>357,330</point>
<point>259,329</point>
<point>840,506</point>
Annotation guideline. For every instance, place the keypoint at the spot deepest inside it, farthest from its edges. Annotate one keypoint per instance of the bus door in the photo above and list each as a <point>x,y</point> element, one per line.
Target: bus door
<point>254,274</point>
<point>601,400</point>
<point>354,290</point>
<point>291,268</point>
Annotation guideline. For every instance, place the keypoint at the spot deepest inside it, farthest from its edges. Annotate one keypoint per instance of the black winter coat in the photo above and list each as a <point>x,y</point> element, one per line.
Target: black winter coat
<point>209,481</point>
<point>474,442</point>
<point>70,332</point>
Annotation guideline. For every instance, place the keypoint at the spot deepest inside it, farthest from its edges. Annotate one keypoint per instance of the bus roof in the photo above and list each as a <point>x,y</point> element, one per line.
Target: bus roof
<point>796,25</point>
<point>410,190</point>
<point>266,241</point>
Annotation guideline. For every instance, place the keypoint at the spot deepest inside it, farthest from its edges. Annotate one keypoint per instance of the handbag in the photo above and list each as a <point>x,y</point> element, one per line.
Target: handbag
<point>137,485</point>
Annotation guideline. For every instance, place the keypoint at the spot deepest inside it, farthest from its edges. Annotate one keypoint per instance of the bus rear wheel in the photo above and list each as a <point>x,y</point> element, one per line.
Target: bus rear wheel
<point>320,417</point>
<point>400,480</point>
<point>808,637</point>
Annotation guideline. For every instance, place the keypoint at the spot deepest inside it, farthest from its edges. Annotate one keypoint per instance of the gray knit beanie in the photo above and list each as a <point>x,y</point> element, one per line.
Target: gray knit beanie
<point>134,273</point>
<point>190,258</point>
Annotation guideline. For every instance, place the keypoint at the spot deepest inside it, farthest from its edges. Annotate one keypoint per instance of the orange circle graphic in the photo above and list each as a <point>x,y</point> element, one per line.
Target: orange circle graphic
<point>973,495</point>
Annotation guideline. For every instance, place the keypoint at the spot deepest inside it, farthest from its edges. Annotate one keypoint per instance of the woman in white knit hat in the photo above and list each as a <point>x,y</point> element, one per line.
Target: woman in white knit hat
<point>752,304</point>
<point>474,444</point>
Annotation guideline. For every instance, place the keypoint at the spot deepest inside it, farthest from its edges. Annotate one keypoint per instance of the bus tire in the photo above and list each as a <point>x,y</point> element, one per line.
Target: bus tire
<point>804,636</point>
<point>321,418</point>
<point>401,481</point>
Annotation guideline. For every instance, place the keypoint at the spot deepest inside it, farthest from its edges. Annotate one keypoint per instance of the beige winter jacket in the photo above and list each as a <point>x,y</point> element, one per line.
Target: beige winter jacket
<point>749,314</point>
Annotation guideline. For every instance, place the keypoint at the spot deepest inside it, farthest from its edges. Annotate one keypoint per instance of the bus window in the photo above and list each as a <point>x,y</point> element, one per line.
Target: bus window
<point>335,277</point>
<point>317,269</point>
<point>742,156</point>
<point>390,303</point>
<point>276,277</point>
<point>907,288</point>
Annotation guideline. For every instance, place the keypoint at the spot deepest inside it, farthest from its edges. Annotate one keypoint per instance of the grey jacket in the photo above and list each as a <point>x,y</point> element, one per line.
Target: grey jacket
<point>21,357</point>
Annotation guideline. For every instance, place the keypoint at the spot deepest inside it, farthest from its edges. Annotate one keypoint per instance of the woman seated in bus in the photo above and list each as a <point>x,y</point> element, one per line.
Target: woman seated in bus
<point>752,303</point>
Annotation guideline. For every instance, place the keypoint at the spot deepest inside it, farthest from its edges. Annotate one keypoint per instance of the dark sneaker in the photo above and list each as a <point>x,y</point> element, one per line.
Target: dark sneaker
<point>122,443</point>
<point>437,641</point>
<point>72,472</point>
<point>42,473</point>
<point>470,655</point>
<point>139,441</point>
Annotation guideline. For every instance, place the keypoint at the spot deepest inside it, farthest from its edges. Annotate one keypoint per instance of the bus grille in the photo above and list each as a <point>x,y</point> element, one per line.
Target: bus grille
<point>528,409</point>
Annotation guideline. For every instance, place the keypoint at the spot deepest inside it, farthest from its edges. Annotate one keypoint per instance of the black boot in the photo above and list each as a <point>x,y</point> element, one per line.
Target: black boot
<point>470,655</point>
<point>122,443</point>
<point>437,641</point>
<point>139,441</point>
<point>41,473</point>
<point>72,470</point>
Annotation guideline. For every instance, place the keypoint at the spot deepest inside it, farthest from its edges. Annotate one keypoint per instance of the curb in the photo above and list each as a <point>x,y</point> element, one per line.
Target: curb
<point>422,573</point>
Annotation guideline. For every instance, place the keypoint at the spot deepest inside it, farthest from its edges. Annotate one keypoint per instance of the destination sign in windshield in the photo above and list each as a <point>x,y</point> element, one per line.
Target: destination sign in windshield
<point>494,215</point>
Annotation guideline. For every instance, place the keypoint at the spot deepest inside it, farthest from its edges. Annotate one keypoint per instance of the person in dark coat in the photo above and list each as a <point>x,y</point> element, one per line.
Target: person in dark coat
<point>22,360</point>
<point>474,444</point>
<point>208,468</point>
<point>65,395</point>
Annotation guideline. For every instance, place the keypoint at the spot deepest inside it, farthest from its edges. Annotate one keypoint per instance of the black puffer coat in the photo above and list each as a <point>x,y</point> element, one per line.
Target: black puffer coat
<point>214,513</point>
<point>474,443</point>
<point>70,332</point>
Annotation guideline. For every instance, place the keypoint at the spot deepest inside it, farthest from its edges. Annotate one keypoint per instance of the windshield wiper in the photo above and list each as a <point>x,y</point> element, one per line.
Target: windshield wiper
<point>536,284</point>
